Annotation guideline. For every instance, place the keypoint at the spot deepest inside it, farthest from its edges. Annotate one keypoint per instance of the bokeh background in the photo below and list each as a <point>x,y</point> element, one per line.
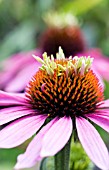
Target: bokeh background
<point>21,24</point>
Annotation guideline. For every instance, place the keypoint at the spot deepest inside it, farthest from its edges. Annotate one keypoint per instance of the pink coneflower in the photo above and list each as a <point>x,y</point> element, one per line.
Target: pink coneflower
<point>67,93</point>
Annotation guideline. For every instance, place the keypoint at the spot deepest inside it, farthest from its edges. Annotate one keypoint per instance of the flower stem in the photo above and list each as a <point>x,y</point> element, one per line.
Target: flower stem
<point>62,158</point>
<point>43,164</point>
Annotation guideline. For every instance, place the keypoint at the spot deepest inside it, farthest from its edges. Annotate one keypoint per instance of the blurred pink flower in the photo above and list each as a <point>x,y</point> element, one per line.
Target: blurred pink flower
<point>68,103</point>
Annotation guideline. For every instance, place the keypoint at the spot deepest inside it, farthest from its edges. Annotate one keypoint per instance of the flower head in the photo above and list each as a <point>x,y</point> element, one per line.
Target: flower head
<point>67,93</point>
<point>69,86</point>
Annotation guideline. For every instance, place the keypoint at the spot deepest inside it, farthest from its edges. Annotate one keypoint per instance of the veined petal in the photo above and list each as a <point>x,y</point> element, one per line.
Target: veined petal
<point>32,154</point>
<point>56,137</point>
<point>101,120</point>
<point>12,113</point>
<point>104,104</point>
<point>12,99</point>
<point>92,143</point>
<point>103,112</point>
<point>20,130</point>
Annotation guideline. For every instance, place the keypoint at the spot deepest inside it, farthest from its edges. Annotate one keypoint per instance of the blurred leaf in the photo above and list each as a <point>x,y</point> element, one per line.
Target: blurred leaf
<point>44,6</point>
<point>8,159</point>
<point>79,7</point>
<point>106,91</point>
<point>6,166</point>
<point>103,134</point>
<point>9,155</point>
<point>105,45</point>
<point>20,39</point>
<point>79,160</point>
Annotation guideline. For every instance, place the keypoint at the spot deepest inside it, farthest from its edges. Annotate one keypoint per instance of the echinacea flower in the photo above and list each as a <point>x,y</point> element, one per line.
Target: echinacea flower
<point>65,94</point>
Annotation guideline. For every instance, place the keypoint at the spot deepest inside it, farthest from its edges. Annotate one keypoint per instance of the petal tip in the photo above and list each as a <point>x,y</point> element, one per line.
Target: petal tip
<point>44,153</point>
<point>16,167</point>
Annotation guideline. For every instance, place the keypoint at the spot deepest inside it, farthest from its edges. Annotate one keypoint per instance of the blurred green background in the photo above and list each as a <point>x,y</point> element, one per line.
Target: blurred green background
<point>21,24</point>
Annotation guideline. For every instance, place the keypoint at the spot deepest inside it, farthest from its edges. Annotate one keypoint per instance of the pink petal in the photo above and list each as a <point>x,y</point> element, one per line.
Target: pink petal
<point>92,143</point>
<point>102,66</point>
<point>12,99</point>
<point>13,65</point>
<point>56,137</point>
<point>20,130</point>
<point>16,66</point>
<point>19,82</point>
<point>101,120</point>
<point>18,60</point>
<point>12,113</point>
<point>104,104</point>
<point>99,78</point>
<point>32,154</point>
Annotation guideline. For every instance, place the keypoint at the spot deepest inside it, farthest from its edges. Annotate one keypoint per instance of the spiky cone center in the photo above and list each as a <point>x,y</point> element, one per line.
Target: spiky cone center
<point>70,38</point>
<point>64,93</point>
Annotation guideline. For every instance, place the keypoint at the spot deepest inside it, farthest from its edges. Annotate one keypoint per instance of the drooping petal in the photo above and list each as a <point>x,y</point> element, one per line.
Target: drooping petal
<point>56,137</point>
<point>32,154</point>
<point>19,82</point>
<point>20,130</point>
<point>15,64</point>
<point>101,62</point>
<point>104,104</point>
<point>12,113</point>
<point>7,99</point>
<point>101,120</point>
<point>99,78</point>
<point>102,112</point>
<point>92,143</point>
<point>16,61</point>
<point>102,66</point>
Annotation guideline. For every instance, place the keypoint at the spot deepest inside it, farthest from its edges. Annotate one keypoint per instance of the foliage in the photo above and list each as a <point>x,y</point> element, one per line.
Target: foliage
<point>78,159</point>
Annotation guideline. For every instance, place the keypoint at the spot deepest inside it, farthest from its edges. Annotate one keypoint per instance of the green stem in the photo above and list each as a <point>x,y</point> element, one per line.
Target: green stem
<point>62,158</point>
<point>43,164</point>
